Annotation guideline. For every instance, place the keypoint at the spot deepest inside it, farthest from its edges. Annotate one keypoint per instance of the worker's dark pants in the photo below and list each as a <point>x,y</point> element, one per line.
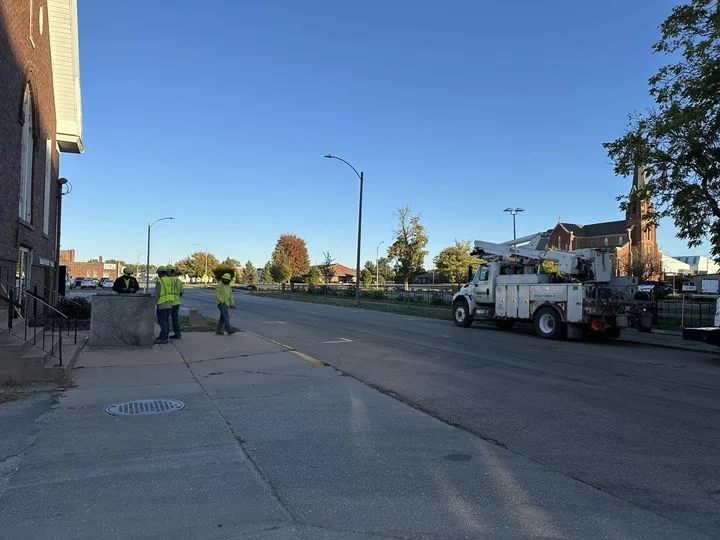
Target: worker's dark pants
<point>163,317</point>
<point>175,314</point>
<point>224,320</point>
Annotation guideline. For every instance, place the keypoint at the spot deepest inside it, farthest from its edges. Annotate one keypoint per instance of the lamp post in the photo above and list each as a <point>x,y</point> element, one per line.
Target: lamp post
<point>377,266</point>
<point>357,266</point>
<point>206,258</point>
<point>147,267</point>
<point>514,212</point>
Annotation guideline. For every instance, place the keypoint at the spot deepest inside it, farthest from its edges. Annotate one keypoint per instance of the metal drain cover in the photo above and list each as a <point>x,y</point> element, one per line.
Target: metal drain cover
<point>144,407</point>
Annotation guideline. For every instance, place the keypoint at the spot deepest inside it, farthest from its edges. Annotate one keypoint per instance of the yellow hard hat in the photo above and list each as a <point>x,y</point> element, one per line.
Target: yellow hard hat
<point>127,271</point>
<point>226,276</point>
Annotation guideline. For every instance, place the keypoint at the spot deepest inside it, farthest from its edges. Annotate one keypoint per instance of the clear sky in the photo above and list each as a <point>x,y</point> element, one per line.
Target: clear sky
<point>218,113</point>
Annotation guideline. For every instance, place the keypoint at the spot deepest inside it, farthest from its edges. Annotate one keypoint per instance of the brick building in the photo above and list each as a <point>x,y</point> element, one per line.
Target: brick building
<point>40,116</point>
<point>97,269</point>
<point>621,235</point>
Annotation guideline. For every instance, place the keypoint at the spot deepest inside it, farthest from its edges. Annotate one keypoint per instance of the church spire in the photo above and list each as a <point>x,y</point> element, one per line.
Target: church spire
<point>639,177</point>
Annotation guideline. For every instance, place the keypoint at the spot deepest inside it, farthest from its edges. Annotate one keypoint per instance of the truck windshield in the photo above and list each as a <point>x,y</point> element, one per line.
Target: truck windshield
<point>481,275</point>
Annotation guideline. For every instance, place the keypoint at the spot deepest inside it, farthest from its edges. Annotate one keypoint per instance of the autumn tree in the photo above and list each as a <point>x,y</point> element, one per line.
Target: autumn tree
<point>196,264</point>
<point>327,267</point>
<point>644,262</point>
<point>291,250</point>
<point>408,250</point>
<point>677,140</point>
<point>453,261</point>
<point>248,273</point>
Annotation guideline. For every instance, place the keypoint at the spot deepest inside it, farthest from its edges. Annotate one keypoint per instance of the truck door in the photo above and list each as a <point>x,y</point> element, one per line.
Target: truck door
<point>481,286</point>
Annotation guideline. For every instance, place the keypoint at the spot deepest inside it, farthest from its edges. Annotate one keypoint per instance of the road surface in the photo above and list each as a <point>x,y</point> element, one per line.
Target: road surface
<point>639,422</point>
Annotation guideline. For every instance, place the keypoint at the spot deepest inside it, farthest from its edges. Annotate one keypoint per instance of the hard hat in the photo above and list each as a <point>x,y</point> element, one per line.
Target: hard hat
<point>169,268</point>
<point>127,271</point>
<point>226,276</point>
<point>161,269</point>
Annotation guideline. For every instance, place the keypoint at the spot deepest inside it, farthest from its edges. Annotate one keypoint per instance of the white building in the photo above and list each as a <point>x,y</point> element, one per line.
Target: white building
<point>700,265</point>
<point>674,267</point>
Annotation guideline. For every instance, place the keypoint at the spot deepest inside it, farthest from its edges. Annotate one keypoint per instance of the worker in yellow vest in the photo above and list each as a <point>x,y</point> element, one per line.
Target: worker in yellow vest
<point>225,299</point>
<point>163,303</point>
<point>178,290</point>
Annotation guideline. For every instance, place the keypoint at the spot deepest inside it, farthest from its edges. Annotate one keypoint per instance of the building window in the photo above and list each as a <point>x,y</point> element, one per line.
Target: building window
<point>26,159</point>
<point>32,41</point>
<point>48,186</point>
<point>41,20</point>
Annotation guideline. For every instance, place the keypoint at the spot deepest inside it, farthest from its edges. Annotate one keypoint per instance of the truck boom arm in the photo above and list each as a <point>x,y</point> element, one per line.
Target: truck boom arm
<point>568,262</point>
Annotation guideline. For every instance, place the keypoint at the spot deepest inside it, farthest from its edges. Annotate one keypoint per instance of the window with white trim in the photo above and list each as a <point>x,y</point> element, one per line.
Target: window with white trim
<point>48,186</point>
<point>26,159</point>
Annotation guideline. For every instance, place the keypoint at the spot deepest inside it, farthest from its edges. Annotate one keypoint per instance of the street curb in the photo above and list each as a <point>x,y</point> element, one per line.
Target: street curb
<point>667,346</point>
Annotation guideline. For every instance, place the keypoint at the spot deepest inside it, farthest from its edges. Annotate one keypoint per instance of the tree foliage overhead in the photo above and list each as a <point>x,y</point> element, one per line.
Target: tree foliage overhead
<point>292,250</point>
<point>408,250</point>
<point>194,265</point>
<point>453,261</point>
<point>678,140</point>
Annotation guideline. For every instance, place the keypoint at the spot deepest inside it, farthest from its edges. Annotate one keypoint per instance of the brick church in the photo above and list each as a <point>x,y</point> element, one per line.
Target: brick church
<point>623,235</point>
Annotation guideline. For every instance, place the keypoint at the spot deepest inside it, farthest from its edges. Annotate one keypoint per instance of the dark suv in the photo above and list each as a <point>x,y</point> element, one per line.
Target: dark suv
<point>658,289</point>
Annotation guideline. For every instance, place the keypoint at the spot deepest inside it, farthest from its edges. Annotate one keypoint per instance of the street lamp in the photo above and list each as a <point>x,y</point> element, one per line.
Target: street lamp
<point>147,267</point>
<point>377,266</point>
<point>514,212</point>
<point>206,258</point>
<point>357,266</point>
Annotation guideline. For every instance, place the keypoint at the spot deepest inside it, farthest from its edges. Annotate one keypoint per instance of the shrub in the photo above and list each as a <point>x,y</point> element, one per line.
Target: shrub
<point>76,308</point>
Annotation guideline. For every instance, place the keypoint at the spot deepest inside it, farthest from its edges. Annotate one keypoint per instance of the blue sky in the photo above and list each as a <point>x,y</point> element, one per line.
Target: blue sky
<point>219,115</point>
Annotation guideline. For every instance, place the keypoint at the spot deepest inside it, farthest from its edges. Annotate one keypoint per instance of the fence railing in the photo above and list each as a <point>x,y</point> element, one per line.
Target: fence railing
<point>27,311</point>
<point>690,313</point>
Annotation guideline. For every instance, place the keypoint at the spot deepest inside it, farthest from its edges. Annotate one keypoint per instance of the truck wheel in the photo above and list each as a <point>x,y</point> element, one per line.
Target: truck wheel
<point>505,324</point>
<point>548,323</point>
<point>461,313</point>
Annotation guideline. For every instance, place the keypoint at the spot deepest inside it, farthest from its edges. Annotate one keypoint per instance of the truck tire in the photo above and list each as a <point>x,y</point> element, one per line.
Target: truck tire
<point>549,324</point>
<point>461,313</point>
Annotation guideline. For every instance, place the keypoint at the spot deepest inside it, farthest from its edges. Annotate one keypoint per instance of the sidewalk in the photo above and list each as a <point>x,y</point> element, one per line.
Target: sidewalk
<point>272,444</point>
<point>666,338</point>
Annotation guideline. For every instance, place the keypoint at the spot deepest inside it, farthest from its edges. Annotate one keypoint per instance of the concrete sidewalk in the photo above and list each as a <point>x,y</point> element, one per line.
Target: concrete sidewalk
<point>666,338</point>
<point>272,444</point>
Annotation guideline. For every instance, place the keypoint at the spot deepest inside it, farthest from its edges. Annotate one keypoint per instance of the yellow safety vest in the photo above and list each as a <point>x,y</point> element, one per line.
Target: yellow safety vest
<point>166,290</point>
<point>177,290</point>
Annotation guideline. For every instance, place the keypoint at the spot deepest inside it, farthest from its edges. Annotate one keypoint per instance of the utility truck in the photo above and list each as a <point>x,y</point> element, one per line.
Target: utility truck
<point>564,294</point>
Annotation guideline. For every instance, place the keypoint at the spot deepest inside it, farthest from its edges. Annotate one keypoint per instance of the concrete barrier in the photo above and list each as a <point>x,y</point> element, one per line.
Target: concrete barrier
<point>122,320</point>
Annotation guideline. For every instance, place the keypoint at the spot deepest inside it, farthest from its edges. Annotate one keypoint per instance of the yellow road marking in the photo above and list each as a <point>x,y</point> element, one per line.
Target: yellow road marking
<point>313,361</point>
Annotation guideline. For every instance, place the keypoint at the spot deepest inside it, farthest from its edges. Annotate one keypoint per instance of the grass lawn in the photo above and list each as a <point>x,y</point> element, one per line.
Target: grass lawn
<point>403,308</point>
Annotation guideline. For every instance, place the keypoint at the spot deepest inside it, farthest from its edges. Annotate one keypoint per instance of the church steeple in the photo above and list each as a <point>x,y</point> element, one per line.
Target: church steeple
<point>641,235</point>
<point>639,177</point>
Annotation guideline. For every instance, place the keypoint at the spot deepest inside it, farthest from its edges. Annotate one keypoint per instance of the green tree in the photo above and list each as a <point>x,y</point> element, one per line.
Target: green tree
<point>195,265</point>
<point>281,271</point>
<point>676,142</point>
<point>408,250</point>
<point>327,267</point>
<point>644,262</point>
<point>314,276</point>
<point>292,250</point>
<point>248,273</point>
<point>222,269</point>
<point>367,277</point>
<point>116,261</point>
<point>229,261</point>
<point>266,277</point>
<point>453,261</point>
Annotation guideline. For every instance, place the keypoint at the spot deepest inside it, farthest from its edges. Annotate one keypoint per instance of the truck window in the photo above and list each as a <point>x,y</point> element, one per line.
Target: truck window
<point>482,274</point>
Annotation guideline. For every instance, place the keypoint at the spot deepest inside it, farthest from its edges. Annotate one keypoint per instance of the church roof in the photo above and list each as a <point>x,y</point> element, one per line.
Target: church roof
<point>606,228</point>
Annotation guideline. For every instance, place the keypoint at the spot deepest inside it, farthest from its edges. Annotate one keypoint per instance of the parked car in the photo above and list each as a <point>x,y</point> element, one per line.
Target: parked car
<point>77,282</point>
<point>106,283</point>
<point>88,283</point>
<point>658,289</point>
<point>689,287</point>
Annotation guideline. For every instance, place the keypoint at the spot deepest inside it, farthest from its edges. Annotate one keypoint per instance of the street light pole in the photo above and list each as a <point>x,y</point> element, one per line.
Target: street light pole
<point>377,266</point>
<point>357,266</point>
<point>514,212</point>
<point>147,267</point>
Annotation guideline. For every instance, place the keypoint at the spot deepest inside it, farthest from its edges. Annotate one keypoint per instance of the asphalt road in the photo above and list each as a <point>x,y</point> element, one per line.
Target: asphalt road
<point>639,422</point>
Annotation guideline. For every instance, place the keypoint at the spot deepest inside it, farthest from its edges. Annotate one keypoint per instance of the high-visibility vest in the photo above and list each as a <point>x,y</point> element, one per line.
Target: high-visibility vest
<point>177,290</point>
<point>166,290</point>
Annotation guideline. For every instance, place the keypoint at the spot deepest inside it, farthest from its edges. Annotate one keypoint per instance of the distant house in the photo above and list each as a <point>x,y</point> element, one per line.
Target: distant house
<point>342,274</point>
<point>97,269</point>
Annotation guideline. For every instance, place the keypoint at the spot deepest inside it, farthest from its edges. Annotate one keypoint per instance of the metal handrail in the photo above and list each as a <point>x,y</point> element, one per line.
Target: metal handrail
<point>43,302</point>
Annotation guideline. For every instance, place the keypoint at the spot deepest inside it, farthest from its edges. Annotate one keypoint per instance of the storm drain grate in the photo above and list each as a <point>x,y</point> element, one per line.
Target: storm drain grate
<point>144,407</point>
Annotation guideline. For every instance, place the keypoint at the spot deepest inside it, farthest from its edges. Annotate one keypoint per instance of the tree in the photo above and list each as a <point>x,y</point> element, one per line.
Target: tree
<point>677,140</point>
<point>367,277</point>
<point>248,275</point>
<point>386,271</point>
<point>644,262</point>
<point>266,277</point>
<point>327,267</point>
<point>453,261</point>
<point>314,276</point>
<point>229,261</point>
<point>292,250</point>
<point>194,265</point>
<point>116,261</point>
<point>221,269</point>
<point>408,249</point>
<point>281,271</point>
